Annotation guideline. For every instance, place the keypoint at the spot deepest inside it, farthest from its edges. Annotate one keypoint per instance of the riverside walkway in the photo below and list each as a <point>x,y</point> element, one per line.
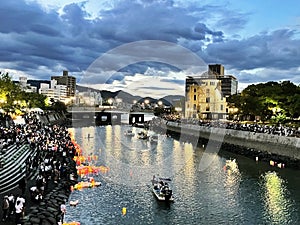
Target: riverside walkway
<point>40,156</point>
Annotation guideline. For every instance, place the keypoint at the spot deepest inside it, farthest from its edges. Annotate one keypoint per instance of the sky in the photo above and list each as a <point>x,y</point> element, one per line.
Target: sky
<point>148,47</point>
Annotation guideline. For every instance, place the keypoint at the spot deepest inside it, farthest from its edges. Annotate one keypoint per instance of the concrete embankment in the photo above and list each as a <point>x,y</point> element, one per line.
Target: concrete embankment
<point>52,118</point>
<point>265,146</point>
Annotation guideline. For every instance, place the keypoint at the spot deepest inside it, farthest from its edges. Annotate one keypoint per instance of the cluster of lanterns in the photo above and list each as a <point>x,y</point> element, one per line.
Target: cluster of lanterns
<point>71,223</point>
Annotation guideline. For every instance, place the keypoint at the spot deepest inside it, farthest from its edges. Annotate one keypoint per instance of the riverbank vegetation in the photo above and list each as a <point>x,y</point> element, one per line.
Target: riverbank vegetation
<point>15,101</point>
<point>275,102</point>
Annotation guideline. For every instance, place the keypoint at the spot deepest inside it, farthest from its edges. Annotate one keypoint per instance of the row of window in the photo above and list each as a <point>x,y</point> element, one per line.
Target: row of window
<point>208,108</point>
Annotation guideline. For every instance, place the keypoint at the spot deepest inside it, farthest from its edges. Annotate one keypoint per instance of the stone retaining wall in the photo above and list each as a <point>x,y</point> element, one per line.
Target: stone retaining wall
<point>52,118</point>
<point>280,147</point>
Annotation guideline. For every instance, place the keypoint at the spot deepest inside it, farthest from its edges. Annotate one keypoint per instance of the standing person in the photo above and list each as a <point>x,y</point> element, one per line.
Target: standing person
<point>5,208</point>
<point>63,210</point>
<point>11,199</point>
<point>20,208</point>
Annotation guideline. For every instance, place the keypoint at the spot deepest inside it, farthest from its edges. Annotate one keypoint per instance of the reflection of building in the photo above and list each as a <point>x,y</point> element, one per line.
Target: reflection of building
<point>54,91</point>
<point>206,94</point>
<point>68,81</point>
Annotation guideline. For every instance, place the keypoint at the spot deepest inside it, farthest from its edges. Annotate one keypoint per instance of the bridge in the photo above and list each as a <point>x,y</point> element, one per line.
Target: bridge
<point>84,116</point>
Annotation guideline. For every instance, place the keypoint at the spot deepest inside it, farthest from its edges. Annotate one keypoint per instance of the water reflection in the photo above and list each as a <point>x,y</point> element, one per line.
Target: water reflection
<point>88,140</point>
<point>233,175</point>
<point>276,199</point>
<point>227,192</point>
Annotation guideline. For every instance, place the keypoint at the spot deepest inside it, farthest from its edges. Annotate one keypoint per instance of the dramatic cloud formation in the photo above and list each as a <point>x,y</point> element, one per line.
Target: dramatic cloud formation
<point>39,39</point>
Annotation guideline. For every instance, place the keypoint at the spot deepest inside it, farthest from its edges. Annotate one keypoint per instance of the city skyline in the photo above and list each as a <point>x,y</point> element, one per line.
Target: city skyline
<point>255,41</point>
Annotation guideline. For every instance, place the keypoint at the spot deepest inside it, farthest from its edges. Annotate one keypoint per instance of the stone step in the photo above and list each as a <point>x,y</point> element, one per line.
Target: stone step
<point>15,169</point>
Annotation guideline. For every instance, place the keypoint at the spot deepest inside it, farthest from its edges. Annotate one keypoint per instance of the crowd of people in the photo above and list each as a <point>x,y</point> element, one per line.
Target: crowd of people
<point>13,205</point>
<point>51,145</point>
<point>279,129</point>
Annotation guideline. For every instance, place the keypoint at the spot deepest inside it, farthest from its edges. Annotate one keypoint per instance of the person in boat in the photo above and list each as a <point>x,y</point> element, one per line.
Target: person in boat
<point>161,183</point>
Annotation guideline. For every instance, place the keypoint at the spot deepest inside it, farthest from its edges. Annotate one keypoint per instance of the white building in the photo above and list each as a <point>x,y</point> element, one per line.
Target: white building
<point>25,86</point>
<point>54,91</point>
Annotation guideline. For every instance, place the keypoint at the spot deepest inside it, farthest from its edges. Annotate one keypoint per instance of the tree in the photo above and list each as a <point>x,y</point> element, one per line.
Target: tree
<point>9,93</point>
<point>58,106</point>
<point>268,100</point>
<point>34,100</point>
<point>13,100</point>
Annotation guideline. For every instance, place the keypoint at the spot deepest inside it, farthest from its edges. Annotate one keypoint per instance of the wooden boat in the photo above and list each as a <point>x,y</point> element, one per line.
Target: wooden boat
<point>129,133</point>
<point>161,189</point>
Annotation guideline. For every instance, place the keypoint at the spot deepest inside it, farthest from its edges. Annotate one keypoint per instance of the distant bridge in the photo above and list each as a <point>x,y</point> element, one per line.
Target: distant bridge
<point>87,116</point>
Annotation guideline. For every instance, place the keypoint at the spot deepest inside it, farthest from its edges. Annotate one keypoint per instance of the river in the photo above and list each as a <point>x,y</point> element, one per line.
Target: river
<point>241,192</point>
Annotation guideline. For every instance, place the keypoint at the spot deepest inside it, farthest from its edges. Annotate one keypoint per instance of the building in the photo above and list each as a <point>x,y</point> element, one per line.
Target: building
<point>55,91</point>
<point>216,69</point>
<point>25,86</point>
<point>228,82</point>
<point>68,81</point>
<point>206,94</point>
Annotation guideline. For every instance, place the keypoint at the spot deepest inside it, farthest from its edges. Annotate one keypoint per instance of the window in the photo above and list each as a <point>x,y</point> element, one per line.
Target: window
<point>207,108</point>
<point>207,91</point>
<point>194,107</point>
<point>221,107</point>
<point>212,83</point>
<point>195,97</point>
<point>208,100</point>
<point>195,89</point>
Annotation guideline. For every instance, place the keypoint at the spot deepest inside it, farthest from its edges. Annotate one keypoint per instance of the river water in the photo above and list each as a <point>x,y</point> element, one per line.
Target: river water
<point>231,190</point>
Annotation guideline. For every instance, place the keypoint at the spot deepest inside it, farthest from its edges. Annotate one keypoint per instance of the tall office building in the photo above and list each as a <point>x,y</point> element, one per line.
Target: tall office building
<point>216,69</point>
<point>67,80</point>
<point>228,82</point>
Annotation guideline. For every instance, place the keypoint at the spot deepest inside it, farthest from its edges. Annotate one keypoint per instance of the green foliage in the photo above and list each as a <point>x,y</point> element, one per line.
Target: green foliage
<point>58,106</point>
<point>34,100</point>
<point>9,93</point>
<point>14,100</point>
<point>270,101</point>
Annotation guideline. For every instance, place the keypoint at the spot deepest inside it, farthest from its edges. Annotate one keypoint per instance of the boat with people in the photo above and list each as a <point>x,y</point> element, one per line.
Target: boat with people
<point>161,189</point>
<point>143,134</point>
<point>129,133</point>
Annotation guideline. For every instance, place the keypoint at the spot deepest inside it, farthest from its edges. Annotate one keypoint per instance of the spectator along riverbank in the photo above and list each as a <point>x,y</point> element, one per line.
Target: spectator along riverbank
<point>45,171</point>
<point>277,144</point>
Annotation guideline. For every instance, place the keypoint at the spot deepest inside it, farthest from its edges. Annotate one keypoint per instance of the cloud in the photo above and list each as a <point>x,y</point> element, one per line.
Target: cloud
<point>41,42</point>
<point>279,49</point>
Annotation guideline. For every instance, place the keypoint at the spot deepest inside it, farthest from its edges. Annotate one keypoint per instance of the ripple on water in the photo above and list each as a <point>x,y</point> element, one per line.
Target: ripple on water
<point>217,195</point>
